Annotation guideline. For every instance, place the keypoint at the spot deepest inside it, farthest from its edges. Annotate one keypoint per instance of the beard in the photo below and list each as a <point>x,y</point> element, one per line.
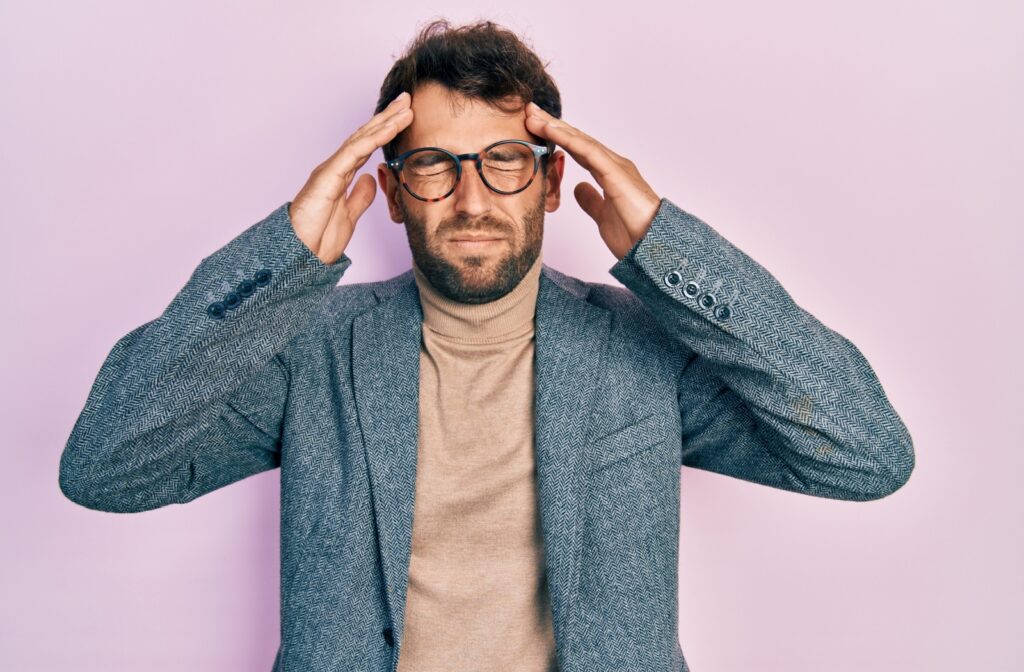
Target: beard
<point>477,278</point>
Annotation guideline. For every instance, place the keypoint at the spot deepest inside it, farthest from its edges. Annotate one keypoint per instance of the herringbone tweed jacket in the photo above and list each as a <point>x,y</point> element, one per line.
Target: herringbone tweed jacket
<point>702,360</point>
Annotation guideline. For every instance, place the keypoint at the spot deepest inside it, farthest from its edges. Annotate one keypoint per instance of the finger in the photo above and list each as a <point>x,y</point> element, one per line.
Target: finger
<point>361,196</point>
<point>397,108</point>
<point>537,111</point>
<point>355,204</point>
<point>342,222</point>
<point>585,150</point>
<point>394,108</point>
<point>400,102</point>
<point>539,116</point>
<point>612,233</point>
<point>590,200</point>
<point>339,170</point>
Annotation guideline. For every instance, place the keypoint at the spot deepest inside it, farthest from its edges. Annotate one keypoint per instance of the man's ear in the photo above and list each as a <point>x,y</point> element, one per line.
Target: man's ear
<point>392,192</point>
<point>553,177</point>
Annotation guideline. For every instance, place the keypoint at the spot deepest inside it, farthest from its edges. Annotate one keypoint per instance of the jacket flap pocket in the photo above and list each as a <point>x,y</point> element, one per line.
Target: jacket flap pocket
<point>626,441</point>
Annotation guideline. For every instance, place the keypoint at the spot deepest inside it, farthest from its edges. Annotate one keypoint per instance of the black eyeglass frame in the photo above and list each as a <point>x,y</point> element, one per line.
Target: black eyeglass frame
<point>398,162</point>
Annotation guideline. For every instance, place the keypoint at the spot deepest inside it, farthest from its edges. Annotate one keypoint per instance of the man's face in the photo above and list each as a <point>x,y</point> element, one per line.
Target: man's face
<point>481,272</point>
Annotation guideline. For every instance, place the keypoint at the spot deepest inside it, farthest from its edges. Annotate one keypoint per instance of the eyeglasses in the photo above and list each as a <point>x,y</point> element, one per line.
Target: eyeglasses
<point>432,173</point>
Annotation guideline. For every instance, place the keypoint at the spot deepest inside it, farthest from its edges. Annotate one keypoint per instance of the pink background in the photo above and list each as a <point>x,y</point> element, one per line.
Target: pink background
<point>864,152</point>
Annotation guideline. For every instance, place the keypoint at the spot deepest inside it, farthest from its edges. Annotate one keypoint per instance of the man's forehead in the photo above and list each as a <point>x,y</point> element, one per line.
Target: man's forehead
<point>442,118</point>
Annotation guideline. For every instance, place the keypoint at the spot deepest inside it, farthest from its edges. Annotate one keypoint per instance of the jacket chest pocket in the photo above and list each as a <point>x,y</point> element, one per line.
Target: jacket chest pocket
<point>627,442</point>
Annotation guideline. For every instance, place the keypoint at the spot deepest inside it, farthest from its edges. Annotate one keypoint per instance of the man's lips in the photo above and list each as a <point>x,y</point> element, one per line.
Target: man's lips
<point>475,242</point>
<point>468,237</point>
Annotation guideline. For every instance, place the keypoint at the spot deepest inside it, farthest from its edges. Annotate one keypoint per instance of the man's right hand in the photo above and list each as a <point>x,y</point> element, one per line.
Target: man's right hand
<point>322,216</point>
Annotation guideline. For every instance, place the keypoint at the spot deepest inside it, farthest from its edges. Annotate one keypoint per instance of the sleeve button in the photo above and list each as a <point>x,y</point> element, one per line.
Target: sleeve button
<point>673,279</point>
<point>231,300</point>
<point>723,312</point>
<point>691,289</point>
<point>262,277</point>
<point>708,300</point>
<point>216,310</point>
<point>246,288</point>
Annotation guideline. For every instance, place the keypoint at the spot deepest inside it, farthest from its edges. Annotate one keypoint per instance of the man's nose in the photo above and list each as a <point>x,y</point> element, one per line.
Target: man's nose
<point>472,196</point>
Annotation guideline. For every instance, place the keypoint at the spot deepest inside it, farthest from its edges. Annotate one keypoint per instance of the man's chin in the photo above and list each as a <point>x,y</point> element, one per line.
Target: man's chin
<point>475,261</point>
<point>477,275</point>
<point>480,281</point>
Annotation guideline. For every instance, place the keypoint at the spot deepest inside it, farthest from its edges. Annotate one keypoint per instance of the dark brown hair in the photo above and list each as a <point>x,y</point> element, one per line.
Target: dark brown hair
<point>480,60</point>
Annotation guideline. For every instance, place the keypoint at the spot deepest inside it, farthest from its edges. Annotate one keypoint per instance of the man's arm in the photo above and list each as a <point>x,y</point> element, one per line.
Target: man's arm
<point>767,393</point>
<point>194,400</point>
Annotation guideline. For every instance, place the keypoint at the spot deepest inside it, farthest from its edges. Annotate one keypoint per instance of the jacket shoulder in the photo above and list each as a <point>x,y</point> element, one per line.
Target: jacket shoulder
<point>630,313</point>
<point>335,314</point>
<point>350,299</point>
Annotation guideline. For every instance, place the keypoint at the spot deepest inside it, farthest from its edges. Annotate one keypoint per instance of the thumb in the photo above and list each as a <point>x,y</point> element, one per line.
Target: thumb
<point>590,200</point>
<point>361,196</point>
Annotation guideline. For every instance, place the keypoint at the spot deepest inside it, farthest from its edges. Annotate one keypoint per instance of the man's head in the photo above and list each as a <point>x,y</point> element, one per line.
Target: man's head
<point>469,88</point>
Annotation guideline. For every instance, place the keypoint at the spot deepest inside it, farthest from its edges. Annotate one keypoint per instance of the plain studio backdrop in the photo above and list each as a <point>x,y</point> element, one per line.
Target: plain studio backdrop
<point>868,154</point>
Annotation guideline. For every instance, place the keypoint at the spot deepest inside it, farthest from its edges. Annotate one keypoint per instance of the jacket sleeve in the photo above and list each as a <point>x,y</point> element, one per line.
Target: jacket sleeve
<point>194,400</point>
<point>767,393</point>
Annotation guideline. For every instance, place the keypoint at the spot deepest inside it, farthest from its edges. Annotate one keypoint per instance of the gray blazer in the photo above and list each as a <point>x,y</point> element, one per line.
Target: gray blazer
<point>702,360</point>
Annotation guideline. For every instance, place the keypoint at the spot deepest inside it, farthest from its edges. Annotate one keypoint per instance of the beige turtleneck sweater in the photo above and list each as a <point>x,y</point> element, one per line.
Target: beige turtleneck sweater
<point>477,597</point>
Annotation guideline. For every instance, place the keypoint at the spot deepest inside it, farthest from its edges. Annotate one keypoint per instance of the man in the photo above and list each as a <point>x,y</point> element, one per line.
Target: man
<point>480,457</point>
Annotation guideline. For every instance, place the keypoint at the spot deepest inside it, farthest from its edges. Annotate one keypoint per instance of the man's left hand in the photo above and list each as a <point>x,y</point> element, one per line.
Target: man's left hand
<point>629,204</point>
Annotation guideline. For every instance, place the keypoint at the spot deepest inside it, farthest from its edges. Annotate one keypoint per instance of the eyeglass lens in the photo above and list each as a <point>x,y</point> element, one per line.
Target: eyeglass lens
<point>507,167</point>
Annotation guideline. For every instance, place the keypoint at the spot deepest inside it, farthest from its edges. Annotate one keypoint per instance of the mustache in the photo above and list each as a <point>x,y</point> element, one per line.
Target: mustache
<point>486,226</point>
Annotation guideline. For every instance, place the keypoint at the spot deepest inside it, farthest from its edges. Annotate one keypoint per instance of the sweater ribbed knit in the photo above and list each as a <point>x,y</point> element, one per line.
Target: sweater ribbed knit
<point>477,596</point>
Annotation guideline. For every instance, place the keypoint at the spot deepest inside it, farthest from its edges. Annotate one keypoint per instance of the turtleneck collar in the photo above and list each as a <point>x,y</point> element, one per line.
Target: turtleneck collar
<point>480,322</point>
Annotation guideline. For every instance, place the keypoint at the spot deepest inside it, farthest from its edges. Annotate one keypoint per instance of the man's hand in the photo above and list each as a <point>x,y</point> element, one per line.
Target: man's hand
<point>629,204</point>
<point>323,217</point>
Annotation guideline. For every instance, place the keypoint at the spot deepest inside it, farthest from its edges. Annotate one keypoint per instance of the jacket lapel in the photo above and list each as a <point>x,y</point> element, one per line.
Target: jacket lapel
<point>571,341</point>
<point>385,380</point>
